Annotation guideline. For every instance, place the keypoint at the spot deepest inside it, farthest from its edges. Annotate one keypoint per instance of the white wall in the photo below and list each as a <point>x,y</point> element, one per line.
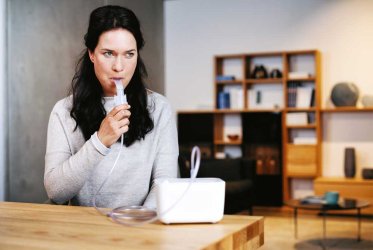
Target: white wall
<point>2,98</point>
<point>342,30</point>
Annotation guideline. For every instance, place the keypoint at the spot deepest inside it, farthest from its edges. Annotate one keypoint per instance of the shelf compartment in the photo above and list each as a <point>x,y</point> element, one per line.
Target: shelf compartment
<point>304,64</point>
<point>300,120</point>
<point>269,62</point>
<point>232,66</point>
<point>226,125</point>
<point>302,160</point>
<point>230,96</point>
<point>268,96</point>
<point>264,81</point>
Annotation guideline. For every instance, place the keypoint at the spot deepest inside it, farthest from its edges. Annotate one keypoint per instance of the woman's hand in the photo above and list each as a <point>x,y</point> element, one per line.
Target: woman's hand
<point>114,125</point>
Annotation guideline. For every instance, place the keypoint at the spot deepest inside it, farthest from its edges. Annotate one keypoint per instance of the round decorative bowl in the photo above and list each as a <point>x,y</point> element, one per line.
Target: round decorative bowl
<point>344,94</point>
<point>367,100</point>
<point>233,137</point>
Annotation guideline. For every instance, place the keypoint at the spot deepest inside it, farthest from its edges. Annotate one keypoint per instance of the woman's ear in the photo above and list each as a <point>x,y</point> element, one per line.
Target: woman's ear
<point>91,56</point>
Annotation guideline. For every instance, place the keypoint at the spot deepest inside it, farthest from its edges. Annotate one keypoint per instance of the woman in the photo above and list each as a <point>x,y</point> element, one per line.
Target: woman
<point>85,128</point>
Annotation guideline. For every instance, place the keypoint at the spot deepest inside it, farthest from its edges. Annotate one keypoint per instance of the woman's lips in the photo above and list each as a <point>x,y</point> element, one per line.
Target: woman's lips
<point>114,79</point>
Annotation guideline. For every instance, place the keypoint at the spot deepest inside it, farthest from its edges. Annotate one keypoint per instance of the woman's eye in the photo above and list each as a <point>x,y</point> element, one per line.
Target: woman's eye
<point>108,54</point>
<point>130,54</point>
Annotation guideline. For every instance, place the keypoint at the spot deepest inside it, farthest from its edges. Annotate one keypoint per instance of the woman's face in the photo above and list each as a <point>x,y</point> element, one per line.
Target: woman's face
<point>115,57</point>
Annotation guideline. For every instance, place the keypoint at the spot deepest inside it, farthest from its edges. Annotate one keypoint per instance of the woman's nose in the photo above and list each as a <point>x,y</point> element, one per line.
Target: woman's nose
<point>118,64</point>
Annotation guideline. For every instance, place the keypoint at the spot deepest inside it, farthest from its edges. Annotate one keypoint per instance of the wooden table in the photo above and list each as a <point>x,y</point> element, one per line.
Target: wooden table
<point>41,226</point>
<point>356,188</point>
<point>343,204</point>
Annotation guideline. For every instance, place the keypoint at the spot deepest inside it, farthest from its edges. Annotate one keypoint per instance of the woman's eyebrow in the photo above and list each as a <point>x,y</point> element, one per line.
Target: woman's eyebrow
<point>130,50</point>
<point>104,49</point>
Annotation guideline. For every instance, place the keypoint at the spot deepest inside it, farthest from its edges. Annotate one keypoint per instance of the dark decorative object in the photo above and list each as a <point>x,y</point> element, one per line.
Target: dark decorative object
<point>367,173</point>
<point>344,94</point>
<point>350,162</point>
<point>233,137</point>
<point>260,72</point>
<point>275,73</point>
<point>367,100</point>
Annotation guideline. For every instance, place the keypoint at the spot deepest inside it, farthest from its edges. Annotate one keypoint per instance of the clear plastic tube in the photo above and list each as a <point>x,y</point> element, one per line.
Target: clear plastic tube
<point>140,215</point>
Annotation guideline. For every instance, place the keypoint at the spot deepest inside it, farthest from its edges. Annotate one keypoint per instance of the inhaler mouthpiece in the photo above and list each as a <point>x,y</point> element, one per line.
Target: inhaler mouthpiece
<point>120,98</point>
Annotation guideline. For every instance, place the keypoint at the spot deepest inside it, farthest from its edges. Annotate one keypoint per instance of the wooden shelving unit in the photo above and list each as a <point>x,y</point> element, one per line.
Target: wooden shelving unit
<point>265,132</point>
<point>302,161</point>
<point>346,109</point>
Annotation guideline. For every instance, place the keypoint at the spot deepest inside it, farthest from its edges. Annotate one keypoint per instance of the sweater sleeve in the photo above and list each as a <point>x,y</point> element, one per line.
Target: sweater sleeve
<point>66,172</point>
<point>165,164</point>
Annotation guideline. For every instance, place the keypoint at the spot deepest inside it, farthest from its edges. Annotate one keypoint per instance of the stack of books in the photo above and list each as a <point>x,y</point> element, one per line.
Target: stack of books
<point>296,118</point>
<point>300,96</point>
<point>298,75</point>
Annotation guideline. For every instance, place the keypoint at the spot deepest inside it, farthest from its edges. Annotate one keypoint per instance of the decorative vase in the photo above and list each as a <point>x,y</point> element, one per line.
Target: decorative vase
<point>275,73</point>
<point>344,94</point>
<point>260,72</point>
<point>350,162</point>
<point>367,100</point>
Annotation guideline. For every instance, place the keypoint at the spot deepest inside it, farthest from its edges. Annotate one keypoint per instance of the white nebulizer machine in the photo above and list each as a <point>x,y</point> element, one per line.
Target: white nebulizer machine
<point>179,200</point>
<point>202,202</point>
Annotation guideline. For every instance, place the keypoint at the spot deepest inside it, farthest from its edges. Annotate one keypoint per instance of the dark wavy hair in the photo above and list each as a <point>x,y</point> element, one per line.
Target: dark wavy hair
<point>87,108</point>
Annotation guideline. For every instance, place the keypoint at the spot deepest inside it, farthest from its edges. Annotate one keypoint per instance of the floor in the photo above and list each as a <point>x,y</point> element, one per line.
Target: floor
<point>341,231</point>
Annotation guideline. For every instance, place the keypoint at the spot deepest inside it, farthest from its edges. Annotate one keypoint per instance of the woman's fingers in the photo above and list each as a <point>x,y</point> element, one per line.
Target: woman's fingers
<point>122,114</point>
<point>118,109</point>
<point>123,122</point>
<point>114,125</point>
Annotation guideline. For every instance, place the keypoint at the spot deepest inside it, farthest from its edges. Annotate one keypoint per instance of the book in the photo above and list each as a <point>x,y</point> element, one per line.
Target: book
<point>311,117</point>
<point>313,200</point>
<point>296,118</point>
<point>295,75</point>
<point>223,100</point>
<point>236,98</point>
<point>292,94</point>
<point>225,78</point>
<point>312,103</point>
<point>303,96</point>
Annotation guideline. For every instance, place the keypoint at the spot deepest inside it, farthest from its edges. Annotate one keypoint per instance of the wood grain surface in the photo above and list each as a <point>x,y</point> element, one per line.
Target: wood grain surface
<point>355,188</point>
<point>42,226</point>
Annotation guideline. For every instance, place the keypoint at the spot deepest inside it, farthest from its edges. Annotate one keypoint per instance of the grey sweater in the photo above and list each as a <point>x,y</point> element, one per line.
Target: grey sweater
<point>75,168</point>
